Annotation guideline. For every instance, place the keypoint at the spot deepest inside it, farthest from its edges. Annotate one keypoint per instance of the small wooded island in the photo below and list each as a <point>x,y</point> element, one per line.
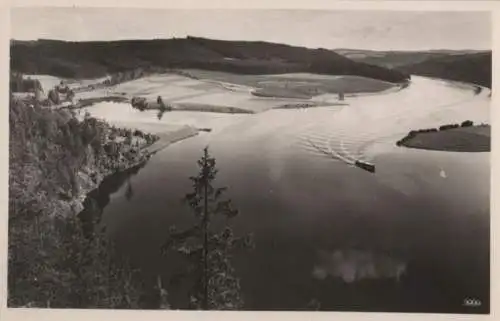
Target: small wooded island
<point>465,137</point>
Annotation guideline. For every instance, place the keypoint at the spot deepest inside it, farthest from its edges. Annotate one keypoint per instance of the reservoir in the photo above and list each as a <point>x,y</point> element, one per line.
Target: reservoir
<point>317,219</point>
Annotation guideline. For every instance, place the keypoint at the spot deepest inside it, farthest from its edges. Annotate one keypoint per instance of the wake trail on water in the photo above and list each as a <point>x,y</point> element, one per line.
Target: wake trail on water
<point>345,133</point>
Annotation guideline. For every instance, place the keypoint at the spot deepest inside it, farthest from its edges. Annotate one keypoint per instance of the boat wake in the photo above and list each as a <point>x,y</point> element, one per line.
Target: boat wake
<point>346,133</point>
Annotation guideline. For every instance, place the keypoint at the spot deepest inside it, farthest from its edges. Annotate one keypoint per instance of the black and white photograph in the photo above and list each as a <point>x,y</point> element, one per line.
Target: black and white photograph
<point>249,159</point>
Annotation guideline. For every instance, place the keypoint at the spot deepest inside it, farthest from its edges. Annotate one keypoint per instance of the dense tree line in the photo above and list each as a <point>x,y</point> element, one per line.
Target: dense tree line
<point>97,59</point>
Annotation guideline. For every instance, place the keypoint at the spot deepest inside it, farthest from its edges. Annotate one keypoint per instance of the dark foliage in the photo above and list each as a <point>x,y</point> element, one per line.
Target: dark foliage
<point>52,262</point>
<point>395,59</point>
<point>412,134</point>
<point>18,84</point>
<point>473,68</point>
<point>467,123</point>
<point>446,127</point>
<point>208,244</point>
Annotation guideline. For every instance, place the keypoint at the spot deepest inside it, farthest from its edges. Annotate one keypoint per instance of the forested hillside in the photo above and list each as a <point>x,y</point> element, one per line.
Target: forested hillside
<point>55,159</point>
<point>473,68</point>
<point>96,59</point>
<point>394,59</point>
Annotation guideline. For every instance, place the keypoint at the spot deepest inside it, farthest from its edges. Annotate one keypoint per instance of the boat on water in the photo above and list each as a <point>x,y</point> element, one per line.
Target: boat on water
<point>366,166</point>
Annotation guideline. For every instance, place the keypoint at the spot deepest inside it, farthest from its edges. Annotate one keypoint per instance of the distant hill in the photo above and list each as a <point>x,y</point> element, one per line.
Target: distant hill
<point>96,59</point>
<point>473,68</point>
<point>395,59</point>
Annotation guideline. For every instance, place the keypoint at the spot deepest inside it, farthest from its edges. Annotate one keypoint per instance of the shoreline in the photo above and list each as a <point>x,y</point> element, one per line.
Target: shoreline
<point>459,83</point>
<point>165,139</point>
<point>484,90</point>
<point>204,108</point>
<point>450,138</point>
<point>447,150</point>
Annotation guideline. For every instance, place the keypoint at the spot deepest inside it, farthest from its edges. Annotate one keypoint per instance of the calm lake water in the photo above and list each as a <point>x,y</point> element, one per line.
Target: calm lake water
<point>289,174</point>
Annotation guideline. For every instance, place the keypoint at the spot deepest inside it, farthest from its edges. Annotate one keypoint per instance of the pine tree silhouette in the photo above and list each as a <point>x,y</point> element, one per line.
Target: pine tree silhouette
<point>208,249</point>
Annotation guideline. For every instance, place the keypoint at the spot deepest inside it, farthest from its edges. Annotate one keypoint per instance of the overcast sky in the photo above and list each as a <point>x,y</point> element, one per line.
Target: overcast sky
<point>384,30</point>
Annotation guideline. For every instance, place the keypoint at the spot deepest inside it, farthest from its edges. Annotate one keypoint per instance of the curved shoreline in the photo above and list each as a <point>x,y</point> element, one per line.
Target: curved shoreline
<point>361,150</point>
<point>470,139</point>
<point>164,139</point>
<point>460,83</point>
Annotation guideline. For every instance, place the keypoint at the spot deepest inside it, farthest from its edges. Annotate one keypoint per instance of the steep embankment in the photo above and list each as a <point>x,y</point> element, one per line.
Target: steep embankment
<point>53,153</point>
<point>96,59</point>
<point>54,161</point>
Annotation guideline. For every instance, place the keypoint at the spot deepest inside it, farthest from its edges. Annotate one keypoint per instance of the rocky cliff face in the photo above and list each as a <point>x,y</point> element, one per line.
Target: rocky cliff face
<point>93,172</point>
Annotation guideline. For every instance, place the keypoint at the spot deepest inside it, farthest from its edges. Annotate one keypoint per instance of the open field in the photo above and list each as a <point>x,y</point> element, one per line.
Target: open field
<point>234,100</point>
<point>170,87</point>
<point>216,91</point>
<point>217,94</point>
<point>183,93</point>
<point>223,92</point>
<point>309,83</point>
